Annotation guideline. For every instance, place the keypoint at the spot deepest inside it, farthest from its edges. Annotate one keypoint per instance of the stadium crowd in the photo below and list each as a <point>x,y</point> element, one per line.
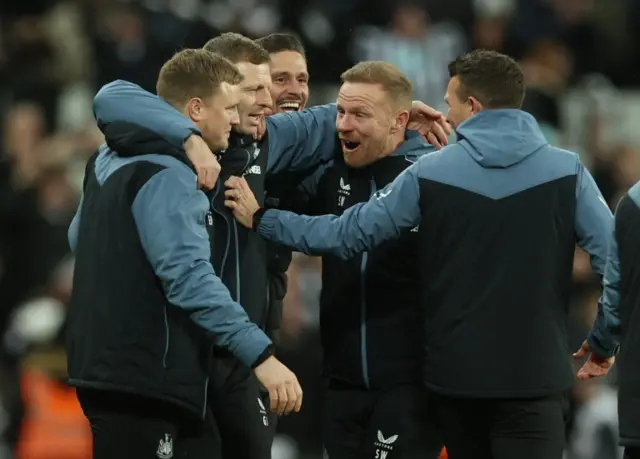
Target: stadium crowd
<point>581,60</point>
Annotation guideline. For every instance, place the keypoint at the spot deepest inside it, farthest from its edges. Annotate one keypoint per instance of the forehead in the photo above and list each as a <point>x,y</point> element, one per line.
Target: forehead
<point>362,95</point>
<point>452,88</point>
<point>226,95</point>
<point>288,62</point>
<point>254,74</point>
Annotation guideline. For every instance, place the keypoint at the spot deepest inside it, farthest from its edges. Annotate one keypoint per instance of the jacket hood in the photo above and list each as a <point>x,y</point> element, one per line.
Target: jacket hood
<point>500,138</point>
<point>413,145</point>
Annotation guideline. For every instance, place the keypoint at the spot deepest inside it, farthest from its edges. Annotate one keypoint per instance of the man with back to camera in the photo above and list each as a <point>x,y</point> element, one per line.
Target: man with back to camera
<point>146,305</point>
<point>292,143</point>
<point>497,216</point>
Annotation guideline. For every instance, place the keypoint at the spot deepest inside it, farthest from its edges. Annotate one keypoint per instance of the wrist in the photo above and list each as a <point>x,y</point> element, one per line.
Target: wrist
<point>257,216</point>
<point>268,352</point>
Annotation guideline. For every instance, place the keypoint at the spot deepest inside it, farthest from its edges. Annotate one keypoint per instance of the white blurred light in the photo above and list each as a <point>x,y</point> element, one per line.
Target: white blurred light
<point>317,28</point>
<point>261,20</point>
<point>219,15</point>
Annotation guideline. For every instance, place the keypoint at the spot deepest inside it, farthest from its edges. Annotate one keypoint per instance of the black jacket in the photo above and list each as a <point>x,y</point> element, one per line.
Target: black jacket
<point>370,316</point>
<point>627,260</point>
<point>146,306</point>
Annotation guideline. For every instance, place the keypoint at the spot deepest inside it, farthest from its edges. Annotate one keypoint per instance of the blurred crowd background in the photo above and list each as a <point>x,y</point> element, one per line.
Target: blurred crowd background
<point>582,64</point>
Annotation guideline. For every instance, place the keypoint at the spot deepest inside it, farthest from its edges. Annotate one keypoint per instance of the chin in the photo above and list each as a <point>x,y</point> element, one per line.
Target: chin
<point>247,130</point>
<point>353,160</point>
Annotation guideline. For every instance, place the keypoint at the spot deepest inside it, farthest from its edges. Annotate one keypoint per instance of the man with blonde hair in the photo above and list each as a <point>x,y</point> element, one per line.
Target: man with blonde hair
<point>370,315</point>
<point>146,306</point>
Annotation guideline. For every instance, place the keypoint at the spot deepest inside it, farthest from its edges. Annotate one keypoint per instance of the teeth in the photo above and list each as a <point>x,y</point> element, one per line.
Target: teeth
<point>291,105</point>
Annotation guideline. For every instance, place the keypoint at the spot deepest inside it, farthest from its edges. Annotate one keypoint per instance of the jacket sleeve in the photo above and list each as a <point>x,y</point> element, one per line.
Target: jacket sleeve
<point>301,140</point>
<point>170,216</point>
<point>593,220</point>
<point>136,122</point>
<point>604,337</point>
<point>594,225</point>
<point>72,233</point>
<point>362,227</point>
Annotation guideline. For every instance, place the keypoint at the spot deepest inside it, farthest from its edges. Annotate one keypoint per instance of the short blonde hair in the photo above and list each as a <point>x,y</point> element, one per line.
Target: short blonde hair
<point>194,73</point>
<point>388,76</point>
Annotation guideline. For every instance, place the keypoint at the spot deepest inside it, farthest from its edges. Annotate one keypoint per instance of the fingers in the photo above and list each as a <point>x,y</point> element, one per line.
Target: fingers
<point>433,140</point>
<point>273,398</point>
<point>298,391</point>
<point>207,178</point>
<point>232,193</point>
<point>583,351</point>
<point>233,205</point>
<point>590,371</point>
<point>282,399</point>
<point>424,110</point>
<point>440,133</point>
<point>446,127</point>
<point>236,182</point>
<point>291,397</point>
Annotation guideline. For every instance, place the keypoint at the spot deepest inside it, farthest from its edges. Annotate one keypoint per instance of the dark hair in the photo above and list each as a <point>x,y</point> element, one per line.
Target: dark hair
<point>279,42</point>
<point>194,73</point>
<point>238,48</point>
<point>494,79</point>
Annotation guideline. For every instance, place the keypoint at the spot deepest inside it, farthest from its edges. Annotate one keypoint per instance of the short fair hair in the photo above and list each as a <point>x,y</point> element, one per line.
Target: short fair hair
<point>395,83</point>
<point>238,48</point>
<point>280,42</point>
<point>494,79</point>
<point>194,73</point>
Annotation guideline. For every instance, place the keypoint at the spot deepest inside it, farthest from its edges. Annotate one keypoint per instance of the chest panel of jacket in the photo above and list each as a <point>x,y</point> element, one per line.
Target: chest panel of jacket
<point>369,303</point>
<point>238,255</point>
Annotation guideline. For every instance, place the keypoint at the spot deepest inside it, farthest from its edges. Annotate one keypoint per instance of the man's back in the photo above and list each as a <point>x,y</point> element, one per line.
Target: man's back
<point>500,215</point>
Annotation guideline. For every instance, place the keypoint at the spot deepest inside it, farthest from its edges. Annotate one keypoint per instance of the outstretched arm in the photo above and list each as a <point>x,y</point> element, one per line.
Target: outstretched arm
<point>385,216</point>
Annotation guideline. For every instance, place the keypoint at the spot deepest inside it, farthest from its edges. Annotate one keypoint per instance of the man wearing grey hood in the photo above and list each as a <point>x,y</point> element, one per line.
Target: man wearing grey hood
<point>498,215</point>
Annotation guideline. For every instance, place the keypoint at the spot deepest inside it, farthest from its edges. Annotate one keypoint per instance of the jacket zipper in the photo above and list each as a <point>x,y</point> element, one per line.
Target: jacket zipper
<point>167,338</point>
<point>228,244</point>
<point>363,307</point>
<point>235,234</point>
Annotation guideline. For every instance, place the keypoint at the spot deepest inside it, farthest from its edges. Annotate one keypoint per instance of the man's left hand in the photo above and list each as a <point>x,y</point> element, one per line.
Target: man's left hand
<point>595,366</point>
<point>430,123</point>
<point>240,199</point>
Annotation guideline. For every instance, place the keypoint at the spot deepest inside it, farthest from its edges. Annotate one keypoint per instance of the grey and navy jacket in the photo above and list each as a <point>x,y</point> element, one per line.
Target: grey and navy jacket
<point>370,315</point>
<point>135,121</point>
<point>624,264</point>
<point>498,215</point>
<point>146,307</point>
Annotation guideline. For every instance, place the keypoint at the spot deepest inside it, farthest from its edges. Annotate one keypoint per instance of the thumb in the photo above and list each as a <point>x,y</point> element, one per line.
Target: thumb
<point>583,351</point>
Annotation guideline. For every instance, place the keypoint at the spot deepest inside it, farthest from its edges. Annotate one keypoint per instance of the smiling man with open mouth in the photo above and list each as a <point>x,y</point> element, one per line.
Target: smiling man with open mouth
<point>289,73</point>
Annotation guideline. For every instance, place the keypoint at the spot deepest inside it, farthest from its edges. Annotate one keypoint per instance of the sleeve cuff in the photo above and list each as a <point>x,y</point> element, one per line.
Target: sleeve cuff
<point>264,221</point>
<point>268,352</point>
<point>595,346</point>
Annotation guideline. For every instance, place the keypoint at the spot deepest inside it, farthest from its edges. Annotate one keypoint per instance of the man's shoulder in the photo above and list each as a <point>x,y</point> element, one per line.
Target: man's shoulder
<point>108,162</point>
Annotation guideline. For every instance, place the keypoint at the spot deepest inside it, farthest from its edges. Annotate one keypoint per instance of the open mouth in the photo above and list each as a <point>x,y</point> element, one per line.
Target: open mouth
<point>289,106</point>
<point>349,146</point>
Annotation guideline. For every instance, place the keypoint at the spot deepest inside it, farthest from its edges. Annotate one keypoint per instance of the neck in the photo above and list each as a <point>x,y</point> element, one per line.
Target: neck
<point>393,143</point>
